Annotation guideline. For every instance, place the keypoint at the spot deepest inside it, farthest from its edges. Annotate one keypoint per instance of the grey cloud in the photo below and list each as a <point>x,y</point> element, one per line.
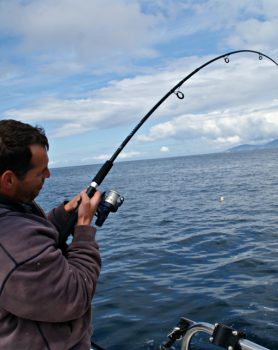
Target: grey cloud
<point>84,31</point>
<point>256,34</point>
<point>103,35</point>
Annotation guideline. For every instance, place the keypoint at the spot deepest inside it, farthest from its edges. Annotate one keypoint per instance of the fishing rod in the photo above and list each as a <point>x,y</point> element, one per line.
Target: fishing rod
<point>112,200</point>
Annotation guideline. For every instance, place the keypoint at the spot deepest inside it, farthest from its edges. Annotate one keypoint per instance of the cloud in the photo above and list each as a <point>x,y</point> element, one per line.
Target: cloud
<point>159,132</point>
<point>119,103</point>
<point>78,33</point>
<point>228,140</point>
<point>131,154</point>
<point>61,36</point>
<point>122,155</point>
<point>187,18</point>
<point>218,95</point>
<point>265,37</point>
<point>221,127</point>
<point>164,149</point>
<point>78,69</point>
<point>49,41</point>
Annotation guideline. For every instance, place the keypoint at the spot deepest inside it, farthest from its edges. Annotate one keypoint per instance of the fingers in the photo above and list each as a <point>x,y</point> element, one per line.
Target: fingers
<point>71,205</point>
<point>88,207</point>
<point>94,201</point>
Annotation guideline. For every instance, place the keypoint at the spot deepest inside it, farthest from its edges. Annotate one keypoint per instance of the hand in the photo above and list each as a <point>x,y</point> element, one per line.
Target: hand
<point>71,205</point>
<point>87,208</point>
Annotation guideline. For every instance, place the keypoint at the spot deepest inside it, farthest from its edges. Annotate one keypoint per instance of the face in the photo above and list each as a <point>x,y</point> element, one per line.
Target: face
<point>29,187</point>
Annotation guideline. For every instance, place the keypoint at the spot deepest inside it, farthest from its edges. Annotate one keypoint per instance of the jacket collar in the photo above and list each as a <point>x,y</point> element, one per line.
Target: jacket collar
<point>8,203</point>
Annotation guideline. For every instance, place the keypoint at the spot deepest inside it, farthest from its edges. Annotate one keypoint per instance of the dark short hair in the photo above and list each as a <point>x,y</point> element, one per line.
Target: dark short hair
<point>15,139</point>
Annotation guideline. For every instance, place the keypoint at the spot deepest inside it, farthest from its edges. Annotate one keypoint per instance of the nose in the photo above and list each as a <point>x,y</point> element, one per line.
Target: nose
<point>47,173</point>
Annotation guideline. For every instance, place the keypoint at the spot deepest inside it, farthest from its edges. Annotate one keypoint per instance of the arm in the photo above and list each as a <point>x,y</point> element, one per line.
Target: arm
<point>50,288</point>
<point>59,215</point>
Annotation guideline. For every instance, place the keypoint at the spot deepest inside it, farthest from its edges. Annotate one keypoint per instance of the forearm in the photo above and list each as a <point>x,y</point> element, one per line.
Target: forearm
<point>59,217</point>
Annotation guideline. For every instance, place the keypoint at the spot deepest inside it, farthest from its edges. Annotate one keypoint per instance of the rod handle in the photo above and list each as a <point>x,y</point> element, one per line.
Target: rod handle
<point>103,171</point>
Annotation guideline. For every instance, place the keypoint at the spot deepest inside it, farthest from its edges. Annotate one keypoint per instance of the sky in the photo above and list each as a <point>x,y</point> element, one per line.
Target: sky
<point>88,71</point>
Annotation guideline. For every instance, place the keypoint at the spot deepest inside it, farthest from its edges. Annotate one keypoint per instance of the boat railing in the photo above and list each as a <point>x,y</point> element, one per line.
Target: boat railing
<point>219,334</point>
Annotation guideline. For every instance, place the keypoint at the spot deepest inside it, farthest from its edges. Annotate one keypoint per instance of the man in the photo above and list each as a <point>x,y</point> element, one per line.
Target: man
<point>45,294</point>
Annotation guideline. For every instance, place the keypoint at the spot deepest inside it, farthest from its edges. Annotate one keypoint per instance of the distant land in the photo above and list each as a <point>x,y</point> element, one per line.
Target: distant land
<point>246,147</point>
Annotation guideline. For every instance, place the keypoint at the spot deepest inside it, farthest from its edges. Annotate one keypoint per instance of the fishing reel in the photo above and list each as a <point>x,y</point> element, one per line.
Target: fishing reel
<point>110,202</point>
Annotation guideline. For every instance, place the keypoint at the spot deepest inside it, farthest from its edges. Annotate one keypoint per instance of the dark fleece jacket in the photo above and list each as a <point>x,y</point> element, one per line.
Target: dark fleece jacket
<point>45,298</point>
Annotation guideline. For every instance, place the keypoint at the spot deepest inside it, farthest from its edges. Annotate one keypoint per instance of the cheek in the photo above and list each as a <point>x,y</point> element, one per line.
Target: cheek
<point>40,181</point>
<point>35,182</point>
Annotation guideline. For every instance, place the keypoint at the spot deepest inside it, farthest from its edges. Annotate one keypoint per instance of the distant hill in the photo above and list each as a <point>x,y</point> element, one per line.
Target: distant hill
<point>246,147</point>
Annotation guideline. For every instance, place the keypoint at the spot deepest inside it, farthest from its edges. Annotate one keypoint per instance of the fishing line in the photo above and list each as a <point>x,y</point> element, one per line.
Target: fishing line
<point>106,167</point>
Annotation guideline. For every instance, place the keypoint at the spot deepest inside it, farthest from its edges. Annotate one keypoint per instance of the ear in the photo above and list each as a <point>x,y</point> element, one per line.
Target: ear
<point>8,180</point>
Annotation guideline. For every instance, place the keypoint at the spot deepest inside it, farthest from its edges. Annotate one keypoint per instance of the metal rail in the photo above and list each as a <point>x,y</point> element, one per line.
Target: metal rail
<point>209,329</point>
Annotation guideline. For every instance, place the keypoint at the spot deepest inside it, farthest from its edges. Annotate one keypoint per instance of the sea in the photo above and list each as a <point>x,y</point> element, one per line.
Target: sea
<point>196,237</point>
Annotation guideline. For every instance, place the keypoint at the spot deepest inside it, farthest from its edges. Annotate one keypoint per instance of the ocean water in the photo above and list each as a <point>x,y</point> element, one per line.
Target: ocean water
<point>175,250</point>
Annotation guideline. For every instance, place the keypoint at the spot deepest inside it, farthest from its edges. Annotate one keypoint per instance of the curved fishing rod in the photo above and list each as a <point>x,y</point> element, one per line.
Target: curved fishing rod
<point>106,167</point>
<point>97,180</point>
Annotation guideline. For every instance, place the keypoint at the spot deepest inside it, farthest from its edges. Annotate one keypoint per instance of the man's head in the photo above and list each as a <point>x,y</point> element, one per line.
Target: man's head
<point>23,160</point>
